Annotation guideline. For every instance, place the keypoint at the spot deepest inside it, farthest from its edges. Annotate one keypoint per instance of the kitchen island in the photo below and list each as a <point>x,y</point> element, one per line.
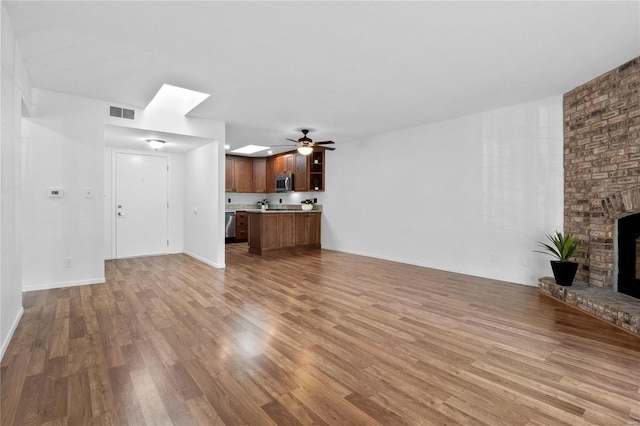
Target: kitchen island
<point>271,230</point>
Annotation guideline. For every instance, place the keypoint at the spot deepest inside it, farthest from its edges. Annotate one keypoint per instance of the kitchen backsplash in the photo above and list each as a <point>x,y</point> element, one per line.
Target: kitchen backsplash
<point>235,207</point>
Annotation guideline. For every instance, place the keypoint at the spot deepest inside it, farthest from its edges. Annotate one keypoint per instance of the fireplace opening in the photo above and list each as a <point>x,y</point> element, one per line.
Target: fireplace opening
<point>629,255</point>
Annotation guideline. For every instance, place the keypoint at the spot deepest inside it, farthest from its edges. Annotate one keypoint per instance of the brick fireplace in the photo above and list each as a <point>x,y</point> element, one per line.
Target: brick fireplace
<point>602,166</point>
<point>601,187</point>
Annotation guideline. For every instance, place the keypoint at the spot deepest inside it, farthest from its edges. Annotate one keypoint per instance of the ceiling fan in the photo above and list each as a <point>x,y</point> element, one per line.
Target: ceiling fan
<point>305,144</point>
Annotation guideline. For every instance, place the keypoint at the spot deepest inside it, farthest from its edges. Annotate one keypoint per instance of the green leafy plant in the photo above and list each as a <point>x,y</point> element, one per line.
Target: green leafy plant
<point>308,202</point>
<point>563,247</point>
<point>264,202</point>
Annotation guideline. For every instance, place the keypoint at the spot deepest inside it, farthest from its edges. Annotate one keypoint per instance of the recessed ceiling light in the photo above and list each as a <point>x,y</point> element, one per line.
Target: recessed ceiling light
<point>269,152</point>
<point>176,99</point>
<point>227,146</point>
<point>250,149</point>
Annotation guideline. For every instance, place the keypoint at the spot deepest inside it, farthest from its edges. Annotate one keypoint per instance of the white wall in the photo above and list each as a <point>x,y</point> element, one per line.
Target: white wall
<point>64,146</point>
<point>176,200</point>
<point>469,195</point>
<point>202,221</point>
<point>15,89</point>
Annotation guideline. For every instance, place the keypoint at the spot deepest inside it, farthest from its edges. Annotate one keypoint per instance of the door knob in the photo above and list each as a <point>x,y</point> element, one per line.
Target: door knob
<point>122,214</point>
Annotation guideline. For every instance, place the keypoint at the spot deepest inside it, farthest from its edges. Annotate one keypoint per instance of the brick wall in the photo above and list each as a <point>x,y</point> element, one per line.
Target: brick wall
<point>601,164</point>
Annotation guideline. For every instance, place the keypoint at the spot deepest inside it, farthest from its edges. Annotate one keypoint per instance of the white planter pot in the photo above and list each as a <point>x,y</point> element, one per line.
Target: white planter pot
<point>307,207</point>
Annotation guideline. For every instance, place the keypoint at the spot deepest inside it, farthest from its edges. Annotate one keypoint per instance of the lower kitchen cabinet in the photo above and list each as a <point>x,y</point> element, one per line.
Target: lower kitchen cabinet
<point>283,230</point>
<point>242,226</point>
<point>308,229</point>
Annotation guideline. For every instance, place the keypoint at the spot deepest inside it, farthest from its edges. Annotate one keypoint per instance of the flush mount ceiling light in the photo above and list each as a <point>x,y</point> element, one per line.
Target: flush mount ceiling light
<point>250,149</point>
<point>176,99</point>
<point>305,150</point>
<point>155,143</point>
<point>227,147</point>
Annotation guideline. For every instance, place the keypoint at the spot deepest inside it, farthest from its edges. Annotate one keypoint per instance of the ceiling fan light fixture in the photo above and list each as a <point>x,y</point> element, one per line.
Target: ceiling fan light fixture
<point>155,143</point>
<point>305,150</point>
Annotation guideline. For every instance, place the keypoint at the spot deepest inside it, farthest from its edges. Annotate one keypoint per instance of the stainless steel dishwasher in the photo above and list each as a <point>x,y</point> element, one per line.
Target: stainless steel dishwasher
<point>230,226</point>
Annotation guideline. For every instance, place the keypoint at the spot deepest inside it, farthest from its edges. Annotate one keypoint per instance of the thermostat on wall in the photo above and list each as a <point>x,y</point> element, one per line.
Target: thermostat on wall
<point>55,192</point>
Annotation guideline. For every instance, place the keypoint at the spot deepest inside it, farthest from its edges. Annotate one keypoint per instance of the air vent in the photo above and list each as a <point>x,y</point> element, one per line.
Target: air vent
<point>125,113</point>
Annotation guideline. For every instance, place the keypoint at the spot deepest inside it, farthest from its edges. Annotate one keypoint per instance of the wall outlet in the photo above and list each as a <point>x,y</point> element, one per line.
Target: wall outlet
<point>228,200</point>
<point>67,262</point>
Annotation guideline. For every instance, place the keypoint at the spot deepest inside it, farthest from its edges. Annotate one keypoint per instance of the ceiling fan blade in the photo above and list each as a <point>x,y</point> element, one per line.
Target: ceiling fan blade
<point>291,146</point>
<point>328,148</point>
<point>292,140</point>
<point>324,143</point>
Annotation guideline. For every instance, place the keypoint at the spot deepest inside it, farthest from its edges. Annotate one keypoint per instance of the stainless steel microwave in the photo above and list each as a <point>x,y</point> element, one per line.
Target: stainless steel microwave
<point>284,182</point>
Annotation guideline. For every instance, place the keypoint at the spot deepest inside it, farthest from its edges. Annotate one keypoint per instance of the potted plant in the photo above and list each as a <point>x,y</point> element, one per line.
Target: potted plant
<point>263,204</point>
<point>316,184</point>
<point>307,204</point>
<point>562,247</point>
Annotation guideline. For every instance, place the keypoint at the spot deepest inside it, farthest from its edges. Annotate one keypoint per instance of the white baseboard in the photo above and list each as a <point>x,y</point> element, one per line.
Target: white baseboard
<point>203,260</point>
<point>48,286</point>
<point>7,339</point>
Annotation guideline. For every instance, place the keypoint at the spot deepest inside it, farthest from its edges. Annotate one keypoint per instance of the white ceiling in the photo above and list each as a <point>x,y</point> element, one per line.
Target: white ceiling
<point>345,70</point>
<point>130,138</point>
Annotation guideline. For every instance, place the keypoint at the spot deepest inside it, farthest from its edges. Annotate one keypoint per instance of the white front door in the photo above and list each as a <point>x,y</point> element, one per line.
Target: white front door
<point>141,205</point>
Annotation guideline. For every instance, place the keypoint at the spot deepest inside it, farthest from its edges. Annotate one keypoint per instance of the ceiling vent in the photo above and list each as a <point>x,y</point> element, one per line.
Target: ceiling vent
<point>125,113</point>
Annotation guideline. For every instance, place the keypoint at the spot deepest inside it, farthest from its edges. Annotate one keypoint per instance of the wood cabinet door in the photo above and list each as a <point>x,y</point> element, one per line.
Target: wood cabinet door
<point>301,177</point>
<point>269,231</point>
<point>314,228</point>
<point>302,229</point>
<point>271,174</point>
<point>289,163</point>
<point>243,174</point>
<point>307,229</point>
<point>286,229</point>
<point>229,183</point>
<point>260,175</point>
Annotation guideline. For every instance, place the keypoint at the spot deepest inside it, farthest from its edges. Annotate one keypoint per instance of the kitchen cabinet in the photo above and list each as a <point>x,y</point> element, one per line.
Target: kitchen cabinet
<point>269,231</point>
<point>289,163</point>
<point>308,229</point>
<point>242,226</point>
<point>274,168</point>
<point>239,174</point>
<point>300,176</point>
<point>316,170</point>
<point>259,175</point>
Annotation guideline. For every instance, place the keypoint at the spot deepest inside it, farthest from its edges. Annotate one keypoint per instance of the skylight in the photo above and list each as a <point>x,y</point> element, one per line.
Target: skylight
<point>249,149</point>
<point>176,99</point>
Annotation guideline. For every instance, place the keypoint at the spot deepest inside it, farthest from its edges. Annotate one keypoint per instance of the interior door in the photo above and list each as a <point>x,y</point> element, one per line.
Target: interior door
<point>141,205</point>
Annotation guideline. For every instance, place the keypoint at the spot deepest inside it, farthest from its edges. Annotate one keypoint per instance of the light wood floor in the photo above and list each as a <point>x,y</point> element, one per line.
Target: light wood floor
<point>313,338</point>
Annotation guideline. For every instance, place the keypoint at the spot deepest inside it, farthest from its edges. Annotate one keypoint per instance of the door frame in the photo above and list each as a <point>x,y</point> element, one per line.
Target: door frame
<point>112,207</point>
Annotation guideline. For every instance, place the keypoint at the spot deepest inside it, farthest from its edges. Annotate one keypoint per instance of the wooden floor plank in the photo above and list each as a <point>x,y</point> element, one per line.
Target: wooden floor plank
<point>315,337</point>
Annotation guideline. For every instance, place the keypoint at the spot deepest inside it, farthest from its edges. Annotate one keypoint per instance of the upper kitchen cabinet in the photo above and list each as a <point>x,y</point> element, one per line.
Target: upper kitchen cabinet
<point>239,174</point>
<point>316,170</point>
<point>301,178</point>
<point>259,175</point>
